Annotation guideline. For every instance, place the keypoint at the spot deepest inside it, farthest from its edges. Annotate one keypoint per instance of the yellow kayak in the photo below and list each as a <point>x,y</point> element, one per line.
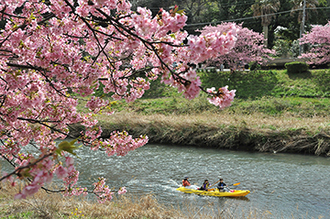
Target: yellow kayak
<point>215,192</point>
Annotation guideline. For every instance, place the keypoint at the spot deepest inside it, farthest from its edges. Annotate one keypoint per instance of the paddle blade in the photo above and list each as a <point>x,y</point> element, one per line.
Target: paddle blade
<point>236,184</point>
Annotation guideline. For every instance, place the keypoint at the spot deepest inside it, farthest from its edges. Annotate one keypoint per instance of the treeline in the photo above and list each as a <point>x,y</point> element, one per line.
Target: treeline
<point>284,24</point>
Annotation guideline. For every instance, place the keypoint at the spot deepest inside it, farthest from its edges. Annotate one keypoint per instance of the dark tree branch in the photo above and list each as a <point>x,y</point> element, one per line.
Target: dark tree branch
<point>17,170</point>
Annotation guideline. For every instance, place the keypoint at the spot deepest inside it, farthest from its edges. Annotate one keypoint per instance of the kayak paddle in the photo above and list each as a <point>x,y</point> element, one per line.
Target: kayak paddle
<point>214,183</point>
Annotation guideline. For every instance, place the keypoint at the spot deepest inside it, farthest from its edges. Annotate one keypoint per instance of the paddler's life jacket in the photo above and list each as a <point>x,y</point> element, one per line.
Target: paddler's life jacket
<point>205,186</point>
<point>185,183</point>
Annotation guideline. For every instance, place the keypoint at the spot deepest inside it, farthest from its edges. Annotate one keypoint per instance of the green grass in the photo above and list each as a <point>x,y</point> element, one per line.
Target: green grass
<point>28,214</point>
<point>272,92</point>
<point>272,106</point>
<point>275,106</point>
<point>167,105</point>
<point>276,83</point>
<point>247,84</point>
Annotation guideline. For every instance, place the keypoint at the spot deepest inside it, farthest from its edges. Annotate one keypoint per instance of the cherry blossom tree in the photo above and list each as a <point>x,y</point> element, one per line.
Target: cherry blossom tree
<point>56,53</point>
<point>318,39</point>
<point>249,46</point>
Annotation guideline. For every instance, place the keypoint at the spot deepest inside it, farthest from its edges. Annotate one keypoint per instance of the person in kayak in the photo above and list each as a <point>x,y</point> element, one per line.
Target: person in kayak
<point>185,182</point>
<point>187,185</point>
<point>205,185</point>
<point>222,186</point>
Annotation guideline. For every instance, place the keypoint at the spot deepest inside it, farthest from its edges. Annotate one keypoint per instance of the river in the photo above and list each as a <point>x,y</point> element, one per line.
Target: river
<point>281,185</point>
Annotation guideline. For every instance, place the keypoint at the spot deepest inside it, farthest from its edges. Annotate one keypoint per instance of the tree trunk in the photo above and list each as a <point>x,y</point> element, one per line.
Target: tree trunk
<point>265,30</point>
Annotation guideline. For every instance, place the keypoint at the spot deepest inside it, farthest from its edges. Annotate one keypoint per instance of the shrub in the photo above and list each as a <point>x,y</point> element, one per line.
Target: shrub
<point>254,66</point>
<point>296,67</point>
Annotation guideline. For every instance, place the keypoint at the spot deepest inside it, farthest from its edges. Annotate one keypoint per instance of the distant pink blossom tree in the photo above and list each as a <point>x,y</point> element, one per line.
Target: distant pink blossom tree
<point>53,51</point>
<point>318,40</point>
<point>249,47</point>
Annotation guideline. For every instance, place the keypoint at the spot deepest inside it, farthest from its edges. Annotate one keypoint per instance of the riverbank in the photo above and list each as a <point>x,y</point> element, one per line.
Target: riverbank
<point>255,132</point>
<point>43,205</point>
<point>54,206</point>
<point>273,111</point>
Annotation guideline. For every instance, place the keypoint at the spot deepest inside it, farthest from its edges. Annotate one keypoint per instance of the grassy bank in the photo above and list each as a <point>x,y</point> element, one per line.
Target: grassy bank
<point>43,205</point>
<point>54,206</point>
<point>273,112</point>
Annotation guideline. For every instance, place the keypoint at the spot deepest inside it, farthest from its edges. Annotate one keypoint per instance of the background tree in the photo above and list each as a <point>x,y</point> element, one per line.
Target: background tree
<point>265,9</point>
<point>154,5</point>
<point>197,12</point>
<point>248,48</point>
<point>228,11</point>
<point>318,40</point>
<point>298,6</point>
<point>303,8</point>
<point>284,24</point>
<point>194,9</point>
<point>318,15</point>
<point>214,12</point>
<point>234,9</point>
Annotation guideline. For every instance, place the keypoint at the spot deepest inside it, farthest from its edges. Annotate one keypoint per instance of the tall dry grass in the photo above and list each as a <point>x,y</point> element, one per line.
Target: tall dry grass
<point>252,132</point>
<point>43,205</point>
<point>256,121</point>
<point>53,206</point>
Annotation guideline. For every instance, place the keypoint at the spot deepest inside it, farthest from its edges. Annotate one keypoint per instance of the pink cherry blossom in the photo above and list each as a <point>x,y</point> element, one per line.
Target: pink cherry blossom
<point>248,47</point>
<point>318,40</point>
<point>122,190</point>
<point>222,98</point>
<point>61,172</point>
<point>55,55</point>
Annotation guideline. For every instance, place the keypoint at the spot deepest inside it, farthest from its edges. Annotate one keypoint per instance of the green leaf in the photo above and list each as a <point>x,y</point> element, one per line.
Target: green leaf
<point>32,16</point>
<point>67,146</point>
<point>73,141</point>
<point>172,35</point>
<point>181,12</point>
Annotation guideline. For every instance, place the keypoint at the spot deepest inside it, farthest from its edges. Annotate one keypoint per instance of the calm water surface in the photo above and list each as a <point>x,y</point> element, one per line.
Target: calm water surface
<point>281,185</point>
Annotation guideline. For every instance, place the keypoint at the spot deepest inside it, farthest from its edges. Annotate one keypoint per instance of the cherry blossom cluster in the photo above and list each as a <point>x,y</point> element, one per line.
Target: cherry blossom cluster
<point>54,54</point>
<point>121,143</point>
<point>318,40</point>
<point>222,97</point>
<point>103,192</point>
<point>122,190</point>
<point>249,46</point>
<point>39,172</point>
